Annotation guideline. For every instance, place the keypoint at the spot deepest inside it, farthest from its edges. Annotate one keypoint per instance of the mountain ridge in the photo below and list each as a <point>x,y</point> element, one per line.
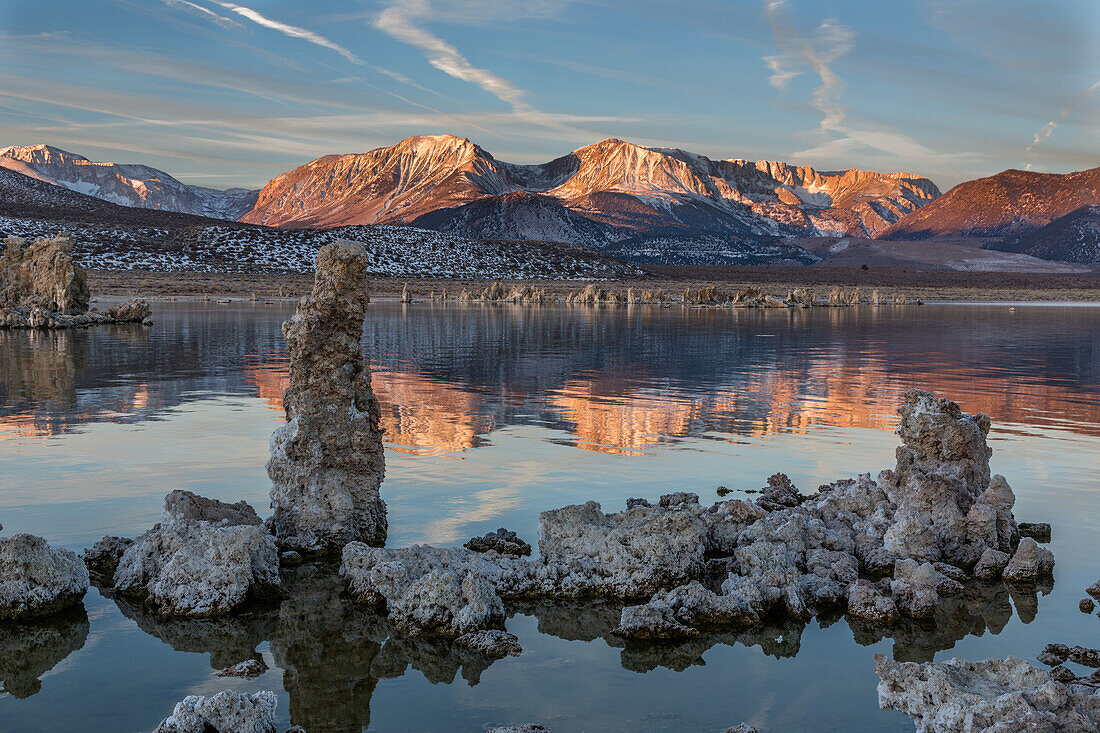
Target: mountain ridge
<point>1005,206</point>
<point>127,184</point>
<point>631,190</point>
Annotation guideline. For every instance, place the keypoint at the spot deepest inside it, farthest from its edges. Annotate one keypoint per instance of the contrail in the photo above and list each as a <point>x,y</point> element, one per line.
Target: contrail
<point>206,13</point>
<point>292,31</point>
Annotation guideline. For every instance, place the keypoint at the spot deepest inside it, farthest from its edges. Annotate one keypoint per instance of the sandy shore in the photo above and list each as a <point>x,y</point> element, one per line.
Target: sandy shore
<point>926,285</point>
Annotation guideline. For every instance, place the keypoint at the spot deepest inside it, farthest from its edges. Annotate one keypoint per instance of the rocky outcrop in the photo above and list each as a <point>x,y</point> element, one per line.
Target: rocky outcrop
<point>890,551</point>
<point>41,274</point>
<point>1038,531</point>
<point>204,558</point>
<point>628,554</point>
<point>247,669</point>
<point>525,728</point>
<point>990,696</point>
<point>41,287</point>
<point>935,522</point>
<point>30,649</point>
<point>948,508</point>
<point>1030,563</point>
<point>225,712</point>
<point>502,541</point>
<point>36,579</point>
<point>327,462</point>
<point>431,591</point>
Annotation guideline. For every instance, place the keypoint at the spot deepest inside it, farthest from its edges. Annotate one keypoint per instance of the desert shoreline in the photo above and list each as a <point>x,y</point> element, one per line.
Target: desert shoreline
<point>928,286</point>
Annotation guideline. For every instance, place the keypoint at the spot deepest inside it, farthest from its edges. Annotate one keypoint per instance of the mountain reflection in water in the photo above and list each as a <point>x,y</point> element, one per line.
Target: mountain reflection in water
<point>609,380</point>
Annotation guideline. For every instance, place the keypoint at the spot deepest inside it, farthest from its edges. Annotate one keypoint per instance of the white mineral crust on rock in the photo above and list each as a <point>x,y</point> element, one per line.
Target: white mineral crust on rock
<point>921,531</point>
<point>633,553</point>
<point>204,558</point>
<point>225,712</point>
<point>36,579</point>
<point>432,590</point>
<point>992,696</point>
<point>327,462</point>
<point>936,520</point>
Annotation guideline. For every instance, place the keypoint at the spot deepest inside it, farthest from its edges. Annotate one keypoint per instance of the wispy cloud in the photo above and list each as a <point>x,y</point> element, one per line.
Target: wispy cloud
<point>403,21</point>
<point>831,42</point>
<point>292,31</point>
<point>841,137</point>
<point>782,71</point>
<point>1043,133</point>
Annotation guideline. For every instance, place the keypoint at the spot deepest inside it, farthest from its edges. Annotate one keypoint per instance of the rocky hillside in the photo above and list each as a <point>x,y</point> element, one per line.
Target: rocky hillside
<point>112,237</point>
<point>1074,237</point>
<point>600,194</point>
<point>125,184</point>
<point>1003,207</point>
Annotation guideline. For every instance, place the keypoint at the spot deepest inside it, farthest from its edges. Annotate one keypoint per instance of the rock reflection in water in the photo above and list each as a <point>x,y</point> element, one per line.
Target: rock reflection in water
<point>333,653</point>
<point>31,649</point>
<point>229,639</point>
<point>980,608</point>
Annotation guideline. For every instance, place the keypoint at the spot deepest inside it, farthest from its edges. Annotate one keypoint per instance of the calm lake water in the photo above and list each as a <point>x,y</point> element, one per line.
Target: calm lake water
<point>493,414</point>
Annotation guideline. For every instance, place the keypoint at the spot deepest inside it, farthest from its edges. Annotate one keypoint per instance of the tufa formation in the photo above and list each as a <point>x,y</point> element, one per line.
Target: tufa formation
<point>327,462</point>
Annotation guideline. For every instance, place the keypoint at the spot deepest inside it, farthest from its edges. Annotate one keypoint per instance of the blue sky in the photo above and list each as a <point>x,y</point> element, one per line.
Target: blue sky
<point>232,93</point>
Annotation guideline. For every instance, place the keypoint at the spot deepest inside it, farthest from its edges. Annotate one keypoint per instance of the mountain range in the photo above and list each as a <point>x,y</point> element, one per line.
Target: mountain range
<point>637,203</point>
<point>598,194</point>
<point>125,184</point>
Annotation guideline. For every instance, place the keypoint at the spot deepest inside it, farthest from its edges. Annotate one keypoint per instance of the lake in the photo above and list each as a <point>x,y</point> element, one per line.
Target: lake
<point>492,414</point>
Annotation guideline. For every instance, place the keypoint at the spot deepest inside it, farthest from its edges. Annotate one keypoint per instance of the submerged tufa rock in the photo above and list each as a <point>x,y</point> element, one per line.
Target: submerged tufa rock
<point>204,558</point>
<point>225,712</point>
<point>327,462</point>
<point>985,697</point>
<point>36,579</point>
<point>102,558</point>
<point>502,541</point>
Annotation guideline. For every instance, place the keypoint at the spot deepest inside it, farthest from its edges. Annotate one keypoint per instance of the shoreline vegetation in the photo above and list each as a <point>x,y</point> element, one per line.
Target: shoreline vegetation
<point>891,283</point>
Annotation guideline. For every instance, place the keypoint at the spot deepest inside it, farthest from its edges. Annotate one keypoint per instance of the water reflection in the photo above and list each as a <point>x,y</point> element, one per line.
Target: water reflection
<point>980,608</point>
<point>613,381</point>
<point>30,649</point>
<point>334,653</point>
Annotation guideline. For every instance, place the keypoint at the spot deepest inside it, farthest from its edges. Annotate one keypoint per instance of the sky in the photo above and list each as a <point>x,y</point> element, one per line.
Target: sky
<point>224,93</point>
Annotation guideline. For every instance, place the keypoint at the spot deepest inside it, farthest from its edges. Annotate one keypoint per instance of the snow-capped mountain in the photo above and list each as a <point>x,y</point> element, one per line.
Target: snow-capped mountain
<point>113,237</point>
<point>126,184</point>
<point>602,193</point>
